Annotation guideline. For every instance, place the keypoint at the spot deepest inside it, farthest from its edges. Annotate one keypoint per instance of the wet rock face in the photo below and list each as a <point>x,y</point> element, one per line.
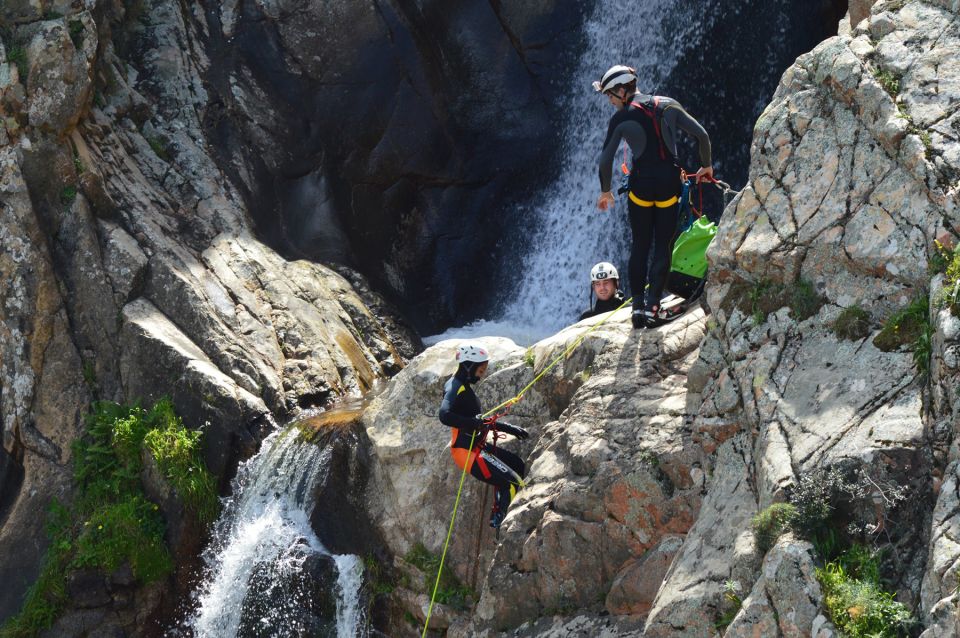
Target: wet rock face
<point>378,136</point>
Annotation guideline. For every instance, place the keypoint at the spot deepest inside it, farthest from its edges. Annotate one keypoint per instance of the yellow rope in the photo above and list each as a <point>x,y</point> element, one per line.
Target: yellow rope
<point>446,544</point>
<point>562,356</point>
<point>463,474</point>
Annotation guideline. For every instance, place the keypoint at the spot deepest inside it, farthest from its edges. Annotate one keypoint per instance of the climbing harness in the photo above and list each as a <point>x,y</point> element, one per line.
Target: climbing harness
<point>493,414</point>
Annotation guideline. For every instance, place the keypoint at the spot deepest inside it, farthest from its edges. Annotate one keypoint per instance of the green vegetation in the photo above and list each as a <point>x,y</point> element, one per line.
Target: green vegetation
<point>733,603</point>
<point>855,600</point>
<point>111,522</point>
<point>947,261</point>
<point>769,524</point>
<point>529,357</point>
<point>379,583</point>
<point>909,327</point>
<point>159,147</point>
<point>78,164</point>
<point>177,452</point>
<point>852,323</point>
<point>889,81</point>
<point>767,296</point>
<point>76,33</point>
<point>17,55</point>
<point>450,591</point>
<point>68,194</point>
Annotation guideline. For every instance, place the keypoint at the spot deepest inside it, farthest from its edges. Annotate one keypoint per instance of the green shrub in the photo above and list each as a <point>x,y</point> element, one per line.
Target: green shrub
<point>769,524</point>
<point>813,499</point>
<point>129,531</point>
<point>111,522</point>
<point>177,451</point>
<point>852,323</point>
<point>450,590</point>
<point>68,194</point>
<point>909,327</point>
<point>855,600</point>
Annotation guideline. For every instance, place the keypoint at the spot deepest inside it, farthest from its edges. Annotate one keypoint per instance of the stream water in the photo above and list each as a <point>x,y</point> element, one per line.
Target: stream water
<point>266,572</point>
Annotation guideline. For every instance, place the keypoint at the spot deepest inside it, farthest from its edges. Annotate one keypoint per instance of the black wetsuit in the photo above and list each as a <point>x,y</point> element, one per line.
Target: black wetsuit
<point>601,306</point>
<point>654,184</point>
<point>494,465</point>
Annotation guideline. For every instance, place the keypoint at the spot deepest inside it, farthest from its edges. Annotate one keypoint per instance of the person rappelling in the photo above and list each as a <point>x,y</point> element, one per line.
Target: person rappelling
<point>460,410</point>
<point>649,125</point>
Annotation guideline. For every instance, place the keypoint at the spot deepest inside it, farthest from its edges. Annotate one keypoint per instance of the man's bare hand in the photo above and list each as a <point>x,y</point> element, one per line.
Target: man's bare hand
<point>605,201</point>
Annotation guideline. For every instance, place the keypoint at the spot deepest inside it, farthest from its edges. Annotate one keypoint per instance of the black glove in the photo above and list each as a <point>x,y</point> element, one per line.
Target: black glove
<point>515,430</point>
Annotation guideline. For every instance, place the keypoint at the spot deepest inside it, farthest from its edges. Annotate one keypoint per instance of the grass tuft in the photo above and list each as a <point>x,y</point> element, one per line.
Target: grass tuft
<point>852,323</point>
<point>769,524</point>
<point>450,591</point>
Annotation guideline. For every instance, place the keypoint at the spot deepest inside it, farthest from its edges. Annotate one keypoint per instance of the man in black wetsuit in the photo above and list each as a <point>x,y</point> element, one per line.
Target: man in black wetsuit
<point>605,284</point>
<point>460,410</point>
<point>649,125</point>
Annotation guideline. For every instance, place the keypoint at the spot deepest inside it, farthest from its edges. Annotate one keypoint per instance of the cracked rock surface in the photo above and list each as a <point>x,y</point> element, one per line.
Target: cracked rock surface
<point>131,271</point>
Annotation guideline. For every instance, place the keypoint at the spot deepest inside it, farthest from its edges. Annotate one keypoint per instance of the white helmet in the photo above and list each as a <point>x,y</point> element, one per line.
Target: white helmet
<point>615,76</point>
<point>472,352</point>
<point>603,270</point>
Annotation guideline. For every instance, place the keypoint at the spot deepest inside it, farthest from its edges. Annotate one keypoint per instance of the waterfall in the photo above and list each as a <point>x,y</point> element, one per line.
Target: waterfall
<point>567,234</point>
<point>265,569</point>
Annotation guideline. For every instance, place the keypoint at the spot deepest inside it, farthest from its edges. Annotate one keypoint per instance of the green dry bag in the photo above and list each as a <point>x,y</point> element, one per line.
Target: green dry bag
<point>690,249</point>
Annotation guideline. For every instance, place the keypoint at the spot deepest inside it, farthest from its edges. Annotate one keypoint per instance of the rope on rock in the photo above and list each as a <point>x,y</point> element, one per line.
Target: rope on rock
<point>508,404</point>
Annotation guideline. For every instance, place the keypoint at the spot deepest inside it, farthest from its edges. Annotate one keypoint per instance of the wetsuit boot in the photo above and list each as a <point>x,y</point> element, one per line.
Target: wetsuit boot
<point>501,502</point>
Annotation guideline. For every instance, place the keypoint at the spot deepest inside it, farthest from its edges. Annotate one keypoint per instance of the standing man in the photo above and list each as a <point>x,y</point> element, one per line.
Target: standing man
<point>649,125</point>
<point>605,284</point>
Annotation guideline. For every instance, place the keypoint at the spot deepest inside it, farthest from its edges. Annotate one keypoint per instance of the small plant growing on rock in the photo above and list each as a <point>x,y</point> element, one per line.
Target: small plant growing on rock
<point>855,600</point>
<point>111,522</point>
<point>767,296</point>
<point>450,590</point>
<point>76,33</point>
<point>733,603</point>
<point>769,524</point>
<point>889,81</point>
<point>909,326</point>
<point>852,323</point>
<point>159,147</point>
<point>68,194</point>
<point>529,357</point>
<point>17,55</point>
<point>947,261</point>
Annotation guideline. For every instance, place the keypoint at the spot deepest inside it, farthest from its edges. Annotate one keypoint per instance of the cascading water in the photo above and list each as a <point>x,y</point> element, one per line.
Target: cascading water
<point>267,573</point>
<point>567,234</point>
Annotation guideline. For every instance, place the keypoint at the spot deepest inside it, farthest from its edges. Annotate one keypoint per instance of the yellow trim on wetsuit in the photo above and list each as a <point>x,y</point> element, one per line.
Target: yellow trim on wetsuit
<point>646,203</point>
<point>463,388</point>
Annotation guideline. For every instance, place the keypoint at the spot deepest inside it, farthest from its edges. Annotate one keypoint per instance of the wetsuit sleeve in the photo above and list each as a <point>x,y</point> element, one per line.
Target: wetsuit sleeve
<point>676,117</point>
<point>610,146</point>
<point>449,415</point>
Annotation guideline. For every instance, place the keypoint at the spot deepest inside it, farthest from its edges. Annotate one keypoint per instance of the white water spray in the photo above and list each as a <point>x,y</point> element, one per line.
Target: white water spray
<point>254,580</point>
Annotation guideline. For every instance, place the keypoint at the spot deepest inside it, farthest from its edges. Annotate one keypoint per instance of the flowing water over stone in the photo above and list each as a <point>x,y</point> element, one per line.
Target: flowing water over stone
<point>267,573</point>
